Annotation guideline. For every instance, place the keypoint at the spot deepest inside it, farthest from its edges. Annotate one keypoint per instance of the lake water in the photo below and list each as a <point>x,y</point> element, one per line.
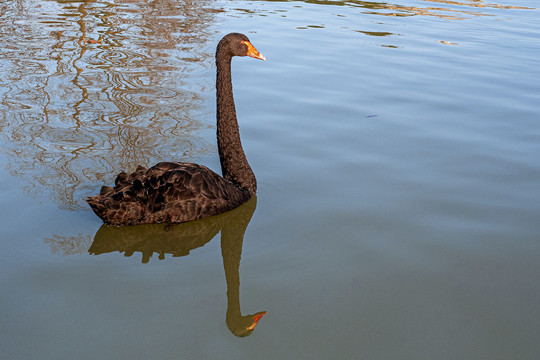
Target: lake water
<point>397,151</point>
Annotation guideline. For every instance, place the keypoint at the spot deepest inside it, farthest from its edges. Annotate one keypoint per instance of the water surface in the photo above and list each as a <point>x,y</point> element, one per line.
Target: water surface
<point>396,150</point>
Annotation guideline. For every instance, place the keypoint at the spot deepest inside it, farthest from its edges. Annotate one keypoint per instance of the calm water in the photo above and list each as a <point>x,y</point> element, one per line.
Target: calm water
<point>396,147</point>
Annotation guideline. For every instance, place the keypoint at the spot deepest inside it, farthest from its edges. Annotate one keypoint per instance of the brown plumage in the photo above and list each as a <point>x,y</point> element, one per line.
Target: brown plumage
<point>172,192</point>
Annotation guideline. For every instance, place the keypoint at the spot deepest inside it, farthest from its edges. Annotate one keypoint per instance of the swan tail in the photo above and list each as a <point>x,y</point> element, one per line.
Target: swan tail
<point>116,209</point>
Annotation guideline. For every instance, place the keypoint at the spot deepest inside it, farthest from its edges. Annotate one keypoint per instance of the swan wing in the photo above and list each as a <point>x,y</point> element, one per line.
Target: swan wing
<point>167,192</point>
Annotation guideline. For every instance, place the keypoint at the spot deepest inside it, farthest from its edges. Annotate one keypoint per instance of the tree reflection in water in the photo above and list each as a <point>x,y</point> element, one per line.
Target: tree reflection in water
<point>179,240</point>
<point>90,88</point>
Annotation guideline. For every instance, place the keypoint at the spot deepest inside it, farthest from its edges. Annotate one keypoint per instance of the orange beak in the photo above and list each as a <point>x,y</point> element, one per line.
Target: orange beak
<point>256,317</point>
<point>252,52</point>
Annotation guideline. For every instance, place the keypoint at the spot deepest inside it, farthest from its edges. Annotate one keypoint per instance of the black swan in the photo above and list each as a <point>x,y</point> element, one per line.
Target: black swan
<point>173,192</point>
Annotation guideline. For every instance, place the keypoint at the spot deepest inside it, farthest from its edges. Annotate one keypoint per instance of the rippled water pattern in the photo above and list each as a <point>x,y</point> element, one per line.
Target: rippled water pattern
<point>396,148</point>
<point>91,88</point>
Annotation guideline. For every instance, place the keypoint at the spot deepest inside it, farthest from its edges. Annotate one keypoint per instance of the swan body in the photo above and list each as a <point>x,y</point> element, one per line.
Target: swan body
<point>174,192</point>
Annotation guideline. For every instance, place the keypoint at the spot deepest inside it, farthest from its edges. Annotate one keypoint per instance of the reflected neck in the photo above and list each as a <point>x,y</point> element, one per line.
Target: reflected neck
<point>232,238</point>
<point>234,164</point>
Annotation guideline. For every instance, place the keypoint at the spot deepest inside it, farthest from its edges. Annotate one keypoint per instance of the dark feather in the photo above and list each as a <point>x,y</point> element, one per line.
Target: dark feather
<point>167,192</point>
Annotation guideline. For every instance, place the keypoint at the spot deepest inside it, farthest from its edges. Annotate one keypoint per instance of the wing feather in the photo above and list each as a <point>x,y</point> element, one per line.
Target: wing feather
<point>167,192</point>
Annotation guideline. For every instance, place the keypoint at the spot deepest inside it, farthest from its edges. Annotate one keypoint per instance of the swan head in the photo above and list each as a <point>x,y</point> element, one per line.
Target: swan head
<point>236,44</point>
<point>242,326</point>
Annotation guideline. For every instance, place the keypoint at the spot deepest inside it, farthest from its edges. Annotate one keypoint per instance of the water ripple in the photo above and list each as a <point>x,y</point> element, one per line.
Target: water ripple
<point>89,89</point>
<point>446,9</point>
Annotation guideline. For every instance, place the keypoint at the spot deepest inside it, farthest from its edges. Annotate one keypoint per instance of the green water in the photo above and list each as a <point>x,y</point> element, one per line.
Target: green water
<point>396,151</point>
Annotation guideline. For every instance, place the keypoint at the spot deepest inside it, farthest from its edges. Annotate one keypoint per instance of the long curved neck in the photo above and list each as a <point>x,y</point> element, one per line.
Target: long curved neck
<point>234,164</point>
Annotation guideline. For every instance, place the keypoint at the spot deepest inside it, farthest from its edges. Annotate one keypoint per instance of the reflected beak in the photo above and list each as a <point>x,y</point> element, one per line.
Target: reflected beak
<point>257,316</point>
<point>252,52</point>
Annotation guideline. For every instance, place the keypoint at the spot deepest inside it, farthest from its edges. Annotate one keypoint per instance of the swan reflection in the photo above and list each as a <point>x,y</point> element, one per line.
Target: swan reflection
<point>179,240</point>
